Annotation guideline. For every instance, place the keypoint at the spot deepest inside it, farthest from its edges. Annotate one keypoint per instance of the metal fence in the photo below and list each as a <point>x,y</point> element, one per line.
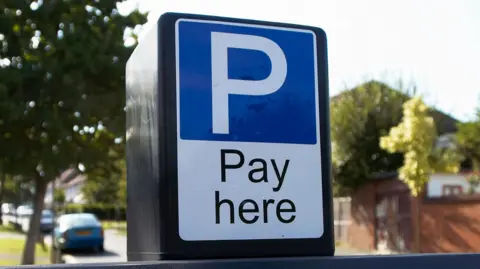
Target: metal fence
<point>425,261</point>
<point>341,217</point>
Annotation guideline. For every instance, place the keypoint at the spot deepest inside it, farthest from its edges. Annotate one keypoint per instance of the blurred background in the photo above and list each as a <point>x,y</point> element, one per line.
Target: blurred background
<point>405,121</point>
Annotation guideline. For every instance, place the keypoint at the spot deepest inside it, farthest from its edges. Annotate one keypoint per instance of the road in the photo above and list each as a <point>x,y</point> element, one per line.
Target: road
<point>115,251</point>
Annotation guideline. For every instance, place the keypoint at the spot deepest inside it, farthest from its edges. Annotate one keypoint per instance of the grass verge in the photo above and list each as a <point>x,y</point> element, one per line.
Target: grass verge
<point>119,226</point>
<point>114,225</point>
<point>14,246</point>
<point>14,262</point>
<point>11,251</point>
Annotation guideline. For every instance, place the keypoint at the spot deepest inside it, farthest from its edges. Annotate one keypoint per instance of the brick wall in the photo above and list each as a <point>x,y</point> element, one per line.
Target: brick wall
<point>361,229</point>
<point>450,225</point>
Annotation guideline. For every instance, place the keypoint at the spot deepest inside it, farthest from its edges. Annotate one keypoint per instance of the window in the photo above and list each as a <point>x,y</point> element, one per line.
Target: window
<point>80,219</point>
<point>451,190</point>
<point>47,213</point>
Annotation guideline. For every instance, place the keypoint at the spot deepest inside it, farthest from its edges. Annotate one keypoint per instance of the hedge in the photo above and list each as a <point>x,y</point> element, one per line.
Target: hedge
<point>102,211</point>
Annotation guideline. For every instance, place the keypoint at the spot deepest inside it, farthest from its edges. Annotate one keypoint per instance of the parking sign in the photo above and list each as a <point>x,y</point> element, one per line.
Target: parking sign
<point>241,129</point>
<point>249,161</point>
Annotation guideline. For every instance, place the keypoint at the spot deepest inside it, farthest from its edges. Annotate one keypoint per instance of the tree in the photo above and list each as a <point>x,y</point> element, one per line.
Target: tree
<point>415,137</point>
<point>359,118</point>
<point>101,188</point>
<point>474,181</point>
<point>3,181</point>
<point>103,183</point>
<point>8,154</point>
<point>61,88</point>
<point>11,190</point>
<point>59,196</point>
<point>122,192</point>
<point>3,178</point>
<point>122,187</point>
<point>468,139</point>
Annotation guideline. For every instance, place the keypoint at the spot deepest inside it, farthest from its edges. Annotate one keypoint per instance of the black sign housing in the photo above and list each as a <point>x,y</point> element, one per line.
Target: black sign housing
<point>152,212</point>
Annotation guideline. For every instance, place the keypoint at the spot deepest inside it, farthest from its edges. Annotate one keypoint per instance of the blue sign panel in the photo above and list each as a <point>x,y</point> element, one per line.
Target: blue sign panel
<point>246,83</point>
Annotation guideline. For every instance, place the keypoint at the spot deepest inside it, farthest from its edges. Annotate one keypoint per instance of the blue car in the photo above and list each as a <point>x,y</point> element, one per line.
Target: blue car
<point>46,221</point>
<point>80,231</point>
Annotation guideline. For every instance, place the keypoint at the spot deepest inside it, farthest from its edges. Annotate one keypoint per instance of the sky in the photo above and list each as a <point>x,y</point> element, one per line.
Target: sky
<point>433,44</point>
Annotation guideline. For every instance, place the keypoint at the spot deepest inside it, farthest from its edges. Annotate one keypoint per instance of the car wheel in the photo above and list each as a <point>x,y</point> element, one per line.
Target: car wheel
<point>98,249</point>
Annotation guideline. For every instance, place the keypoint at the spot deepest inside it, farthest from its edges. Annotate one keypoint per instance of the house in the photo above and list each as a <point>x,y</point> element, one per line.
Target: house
<point>383,212</point>
<point>442,184</point>
<point>71,181</point>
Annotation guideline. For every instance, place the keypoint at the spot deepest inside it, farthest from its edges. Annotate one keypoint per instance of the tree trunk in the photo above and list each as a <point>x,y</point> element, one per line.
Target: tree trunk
<point>28,256</point>
<point>54,252</point>
<point>2,188</point>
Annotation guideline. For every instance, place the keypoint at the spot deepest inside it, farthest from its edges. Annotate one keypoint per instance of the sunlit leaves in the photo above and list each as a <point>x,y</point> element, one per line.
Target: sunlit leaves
<point>358,118</point>
<point>59,56</point>
<point>415,137</point>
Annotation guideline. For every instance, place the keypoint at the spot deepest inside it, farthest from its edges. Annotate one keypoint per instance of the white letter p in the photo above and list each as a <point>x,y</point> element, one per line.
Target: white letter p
<point>222,86</point>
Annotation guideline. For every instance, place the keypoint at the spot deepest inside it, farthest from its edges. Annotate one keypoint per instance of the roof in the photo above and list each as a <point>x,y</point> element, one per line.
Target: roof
<point>70,177</point>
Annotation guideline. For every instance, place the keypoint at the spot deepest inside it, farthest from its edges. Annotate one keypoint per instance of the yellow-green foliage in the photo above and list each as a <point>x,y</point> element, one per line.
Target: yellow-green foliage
<point>415,137</point>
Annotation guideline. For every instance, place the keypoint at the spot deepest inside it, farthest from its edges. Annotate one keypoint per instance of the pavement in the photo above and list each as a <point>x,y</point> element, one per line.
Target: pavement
<point>345,251</point>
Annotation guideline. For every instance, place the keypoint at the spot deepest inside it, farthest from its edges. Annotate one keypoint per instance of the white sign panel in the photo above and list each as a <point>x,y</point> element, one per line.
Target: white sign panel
<point>249,164</point>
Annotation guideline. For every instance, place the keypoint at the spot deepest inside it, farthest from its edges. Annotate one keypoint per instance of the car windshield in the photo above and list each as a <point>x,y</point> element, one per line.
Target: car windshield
<point>47,214</point>
<point>25,207</point>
